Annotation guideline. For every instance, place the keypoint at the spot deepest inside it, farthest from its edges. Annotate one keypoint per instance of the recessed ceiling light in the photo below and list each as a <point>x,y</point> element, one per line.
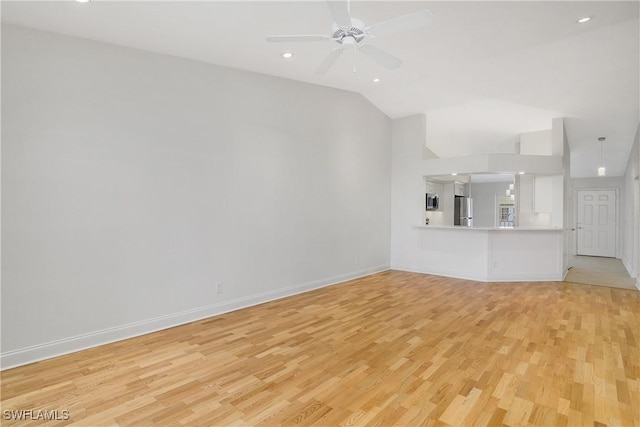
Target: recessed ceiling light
<point>520,173</point>
<point>584,19</point>
<point>376,80</point>
<point>83,1</point>
<point>454,174</point>
<point>287,55</point>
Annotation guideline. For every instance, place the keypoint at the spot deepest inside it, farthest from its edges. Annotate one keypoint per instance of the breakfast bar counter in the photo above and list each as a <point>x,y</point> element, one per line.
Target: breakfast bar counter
<point>490,253</point>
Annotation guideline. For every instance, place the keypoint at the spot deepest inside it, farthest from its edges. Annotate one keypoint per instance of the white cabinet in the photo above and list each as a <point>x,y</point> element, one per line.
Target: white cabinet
<point>535,193</point>
<point>429,186</point>
<point>459,189</point>
<point>526,193</point>
<point>434,187</point>
<point>540,200</point>
<point>436,216</point>
<point>543,194</point>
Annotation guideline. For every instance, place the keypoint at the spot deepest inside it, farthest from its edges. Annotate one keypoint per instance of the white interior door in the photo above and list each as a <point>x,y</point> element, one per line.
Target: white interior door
<point>597,222</point>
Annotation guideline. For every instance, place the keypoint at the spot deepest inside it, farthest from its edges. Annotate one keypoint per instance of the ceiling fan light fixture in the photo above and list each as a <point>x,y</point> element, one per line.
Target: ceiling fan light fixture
<point>349,32</point>
<point>584,19</point>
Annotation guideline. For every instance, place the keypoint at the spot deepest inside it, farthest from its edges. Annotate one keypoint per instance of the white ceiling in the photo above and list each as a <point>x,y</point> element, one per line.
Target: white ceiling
<point>483,72</point>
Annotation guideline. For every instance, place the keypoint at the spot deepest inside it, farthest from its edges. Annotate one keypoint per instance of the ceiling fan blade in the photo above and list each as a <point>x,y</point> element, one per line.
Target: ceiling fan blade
<point>381,57</point>
<point>340,12</point>
<point>410,22</point>
<point>300,38</point>
<point>329,61</point>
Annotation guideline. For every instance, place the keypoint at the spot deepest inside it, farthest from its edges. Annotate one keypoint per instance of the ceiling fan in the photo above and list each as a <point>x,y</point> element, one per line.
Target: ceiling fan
<point>352,33</point>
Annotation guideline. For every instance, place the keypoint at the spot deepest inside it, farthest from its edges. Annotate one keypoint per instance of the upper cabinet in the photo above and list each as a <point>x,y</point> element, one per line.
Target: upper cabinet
<point>434,187</point>
<point>526,193</point>
<point>536,193</point>
<point>459,189</point>
<point>543,194</point>
<point>540,200</point>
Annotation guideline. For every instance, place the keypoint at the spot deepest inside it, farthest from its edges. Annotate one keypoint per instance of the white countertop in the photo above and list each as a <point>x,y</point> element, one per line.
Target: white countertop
<point>462,227</point>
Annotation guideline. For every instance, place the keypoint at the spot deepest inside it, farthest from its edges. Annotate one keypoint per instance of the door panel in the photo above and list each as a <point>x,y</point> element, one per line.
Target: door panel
<point>588,215</point>
<point>597,223</point>
<point>603,214</point>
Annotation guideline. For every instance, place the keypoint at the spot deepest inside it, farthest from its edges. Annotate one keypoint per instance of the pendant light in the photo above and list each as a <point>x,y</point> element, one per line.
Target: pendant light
<point>602,171</point>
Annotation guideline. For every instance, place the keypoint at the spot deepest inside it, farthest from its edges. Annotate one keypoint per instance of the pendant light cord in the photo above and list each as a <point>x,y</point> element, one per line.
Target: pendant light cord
<point>601,145</point>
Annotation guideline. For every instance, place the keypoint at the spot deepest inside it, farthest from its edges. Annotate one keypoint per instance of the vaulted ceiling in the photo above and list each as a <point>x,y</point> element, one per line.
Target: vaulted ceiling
<point>483,72</point>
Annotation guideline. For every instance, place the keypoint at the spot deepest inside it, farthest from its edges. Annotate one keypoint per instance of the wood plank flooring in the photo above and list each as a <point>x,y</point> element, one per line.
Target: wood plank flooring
<point>393,348</point>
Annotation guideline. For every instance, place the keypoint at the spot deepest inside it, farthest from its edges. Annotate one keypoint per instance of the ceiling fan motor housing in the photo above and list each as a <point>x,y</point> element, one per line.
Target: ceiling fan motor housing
<point>346,34</point>
<point>349,32</point>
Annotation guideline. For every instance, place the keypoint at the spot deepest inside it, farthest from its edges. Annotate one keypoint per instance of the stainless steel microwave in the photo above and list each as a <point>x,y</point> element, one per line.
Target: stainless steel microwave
<point>432,201</point>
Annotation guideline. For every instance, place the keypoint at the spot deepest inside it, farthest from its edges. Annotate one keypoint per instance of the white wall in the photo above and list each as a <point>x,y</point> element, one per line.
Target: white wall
<point>487,255</point>
<point>484,202</point>
<point>538,143</point>
<point>453,252</point>
<point>631,222</point>
<point>569,247</point>
<point>407,187</point>
<point>525,255</point>
<point>133,183</point>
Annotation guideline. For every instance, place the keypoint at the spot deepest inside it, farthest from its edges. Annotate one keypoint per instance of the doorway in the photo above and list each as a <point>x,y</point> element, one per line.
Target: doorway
<point>596,223</point>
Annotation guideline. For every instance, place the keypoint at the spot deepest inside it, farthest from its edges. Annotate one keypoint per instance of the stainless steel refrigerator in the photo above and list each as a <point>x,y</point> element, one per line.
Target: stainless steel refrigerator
<point>463,211</point>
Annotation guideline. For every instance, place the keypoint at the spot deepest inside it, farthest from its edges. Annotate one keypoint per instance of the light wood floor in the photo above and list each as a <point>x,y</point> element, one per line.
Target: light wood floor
<point>394,348</point>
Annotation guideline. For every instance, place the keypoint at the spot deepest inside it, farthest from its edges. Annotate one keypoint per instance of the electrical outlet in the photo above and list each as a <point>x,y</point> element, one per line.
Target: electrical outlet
<point>219,288</point>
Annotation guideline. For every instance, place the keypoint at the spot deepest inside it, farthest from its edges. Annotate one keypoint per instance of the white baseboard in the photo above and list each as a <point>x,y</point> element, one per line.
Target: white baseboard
<point>413,269</point>
<point>632,273</point>
<point>527,277</point>
<point>627,265</point>
<point>23,356</point>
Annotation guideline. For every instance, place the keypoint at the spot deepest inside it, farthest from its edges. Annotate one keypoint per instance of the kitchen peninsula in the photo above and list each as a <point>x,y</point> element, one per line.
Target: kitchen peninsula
<point>524,190</point>
<point>490,253</point>
<point>514,230</point>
